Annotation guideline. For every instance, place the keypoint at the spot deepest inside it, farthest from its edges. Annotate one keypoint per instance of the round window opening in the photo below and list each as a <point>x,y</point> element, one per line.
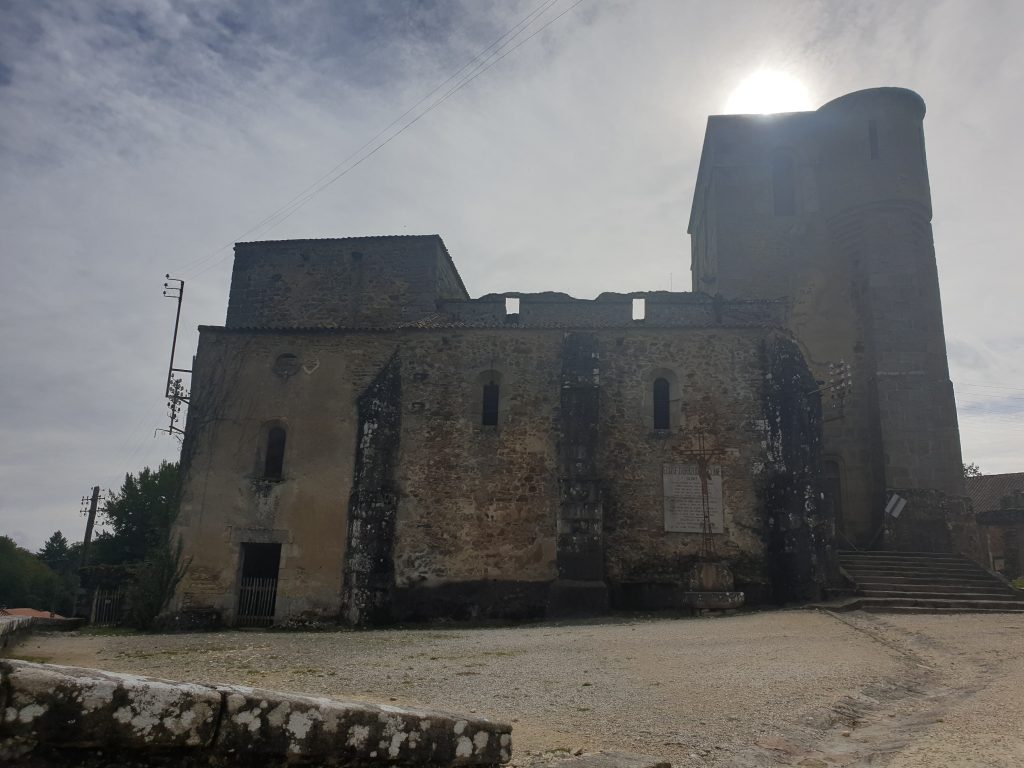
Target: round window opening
<point>286,365</point>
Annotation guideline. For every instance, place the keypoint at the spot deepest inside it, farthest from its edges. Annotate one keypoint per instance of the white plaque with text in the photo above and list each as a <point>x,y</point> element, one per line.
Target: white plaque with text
<point>684,507</point>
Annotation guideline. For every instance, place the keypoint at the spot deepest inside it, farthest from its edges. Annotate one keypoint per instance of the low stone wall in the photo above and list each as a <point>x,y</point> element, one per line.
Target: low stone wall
<point>13,628</point>
<point>68,716</point>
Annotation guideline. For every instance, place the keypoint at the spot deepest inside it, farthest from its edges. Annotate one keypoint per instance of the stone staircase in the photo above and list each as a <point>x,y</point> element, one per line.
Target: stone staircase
<point>925,582</point>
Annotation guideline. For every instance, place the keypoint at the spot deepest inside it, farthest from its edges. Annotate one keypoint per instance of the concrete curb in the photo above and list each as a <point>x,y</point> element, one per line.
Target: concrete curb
<point>54,715</point>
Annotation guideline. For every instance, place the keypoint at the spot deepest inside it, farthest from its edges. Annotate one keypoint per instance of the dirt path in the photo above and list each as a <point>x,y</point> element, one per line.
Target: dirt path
<point>782,688</point>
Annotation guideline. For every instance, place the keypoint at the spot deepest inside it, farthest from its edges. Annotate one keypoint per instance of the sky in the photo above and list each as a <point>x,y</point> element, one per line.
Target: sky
<point>144,137</point>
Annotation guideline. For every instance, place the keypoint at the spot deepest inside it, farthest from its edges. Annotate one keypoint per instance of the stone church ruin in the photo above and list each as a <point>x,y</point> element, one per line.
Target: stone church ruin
<point>366,441</point>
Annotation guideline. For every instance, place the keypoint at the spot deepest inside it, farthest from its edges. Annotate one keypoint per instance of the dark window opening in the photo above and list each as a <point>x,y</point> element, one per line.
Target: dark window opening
<point>489,418</point>
<point>662,419</point>
<point>783,185</point>
<point>274,463</point>
<point>873,138</point>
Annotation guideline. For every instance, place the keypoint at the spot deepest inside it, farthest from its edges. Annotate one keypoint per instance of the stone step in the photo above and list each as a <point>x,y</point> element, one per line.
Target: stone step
<point>943,573</point>
<point>959,562</point>
<point>930,610</point>
<point>922,602</point>
<point>919,578</point>
<point>897,553</point>
<point>951,565</point>
<point>884,561</point>
<point>1001,597</point>
<point>900,556</point>
<point>991,589</point>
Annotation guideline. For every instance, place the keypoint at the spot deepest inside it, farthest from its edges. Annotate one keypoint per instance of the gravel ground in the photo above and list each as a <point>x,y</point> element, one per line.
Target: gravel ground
<point>779,688</point>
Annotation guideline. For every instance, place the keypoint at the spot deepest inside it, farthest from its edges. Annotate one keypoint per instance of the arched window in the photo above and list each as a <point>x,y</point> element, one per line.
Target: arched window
<point>783,184</point>
<point>274,462</point>
<point>662,420</point>
<point>489,417</point>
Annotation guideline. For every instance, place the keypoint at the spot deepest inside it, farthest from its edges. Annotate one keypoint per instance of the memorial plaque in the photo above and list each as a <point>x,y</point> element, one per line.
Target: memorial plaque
<point>684,507</point>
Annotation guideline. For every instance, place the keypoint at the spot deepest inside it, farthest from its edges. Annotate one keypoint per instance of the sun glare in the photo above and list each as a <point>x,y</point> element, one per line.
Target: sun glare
<point>769,90</point>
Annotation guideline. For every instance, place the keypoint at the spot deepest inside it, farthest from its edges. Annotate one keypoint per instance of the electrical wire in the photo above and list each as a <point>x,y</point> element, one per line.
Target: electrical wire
<point>484,60</point>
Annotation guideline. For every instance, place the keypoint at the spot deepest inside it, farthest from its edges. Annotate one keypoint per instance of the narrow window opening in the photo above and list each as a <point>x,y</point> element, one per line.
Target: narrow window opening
<point>274,462</point>
<point>873,138</point>
<point>662,419</point>
<point>639,309</point>
<point>783,184</point>
<point>511,305</point>
<point>489,417</point>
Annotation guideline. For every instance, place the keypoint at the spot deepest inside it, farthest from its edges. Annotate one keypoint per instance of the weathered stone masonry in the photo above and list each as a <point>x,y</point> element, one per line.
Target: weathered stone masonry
<point>396,502</point>
<point>85,718</point>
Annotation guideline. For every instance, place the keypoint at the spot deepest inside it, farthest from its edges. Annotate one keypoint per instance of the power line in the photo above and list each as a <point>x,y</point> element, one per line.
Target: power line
<point>476,73</point>
<point>484,60</point>
<point>528,18</point>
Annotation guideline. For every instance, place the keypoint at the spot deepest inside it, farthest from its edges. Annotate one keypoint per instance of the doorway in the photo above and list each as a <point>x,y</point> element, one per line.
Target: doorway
<point>257,590</point>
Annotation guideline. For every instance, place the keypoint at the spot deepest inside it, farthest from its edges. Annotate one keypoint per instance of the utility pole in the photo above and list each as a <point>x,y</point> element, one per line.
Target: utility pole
<point>89,523</point>
<point>174,390</point>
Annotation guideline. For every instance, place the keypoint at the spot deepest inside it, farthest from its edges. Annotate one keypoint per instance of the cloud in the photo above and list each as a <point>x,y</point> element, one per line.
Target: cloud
<point>140,137</point>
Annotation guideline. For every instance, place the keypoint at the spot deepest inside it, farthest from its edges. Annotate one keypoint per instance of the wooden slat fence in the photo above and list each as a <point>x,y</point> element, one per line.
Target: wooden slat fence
<point>256,598</point>
<point>106,607</point>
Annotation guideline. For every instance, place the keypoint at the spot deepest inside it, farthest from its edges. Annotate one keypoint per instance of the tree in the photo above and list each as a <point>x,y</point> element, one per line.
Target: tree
<point>26,581</point>
<point>55,552</point>
<point>139,515</point>
<point>972,470</point>
<point>63,559</point>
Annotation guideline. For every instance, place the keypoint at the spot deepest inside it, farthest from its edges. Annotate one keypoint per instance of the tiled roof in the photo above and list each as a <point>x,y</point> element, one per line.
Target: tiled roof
<point>988,491</point>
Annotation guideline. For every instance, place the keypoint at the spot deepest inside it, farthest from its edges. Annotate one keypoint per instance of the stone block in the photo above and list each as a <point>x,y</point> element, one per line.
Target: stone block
<point>54,715</point>
<point>87,708</point>
<point>711,577</point>
<point>261,722</point>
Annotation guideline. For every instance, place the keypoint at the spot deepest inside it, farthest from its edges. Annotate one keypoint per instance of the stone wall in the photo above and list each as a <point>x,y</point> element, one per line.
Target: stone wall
<point>237,396</point>
<point>68,716</point>
<point>611,310</point>
<point>349,282</point>
<point>483,515</point>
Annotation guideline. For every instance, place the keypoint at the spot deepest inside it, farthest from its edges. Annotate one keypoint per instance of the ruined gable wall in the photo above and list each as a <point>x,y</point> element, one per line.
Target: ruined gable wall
<point>236,395</point>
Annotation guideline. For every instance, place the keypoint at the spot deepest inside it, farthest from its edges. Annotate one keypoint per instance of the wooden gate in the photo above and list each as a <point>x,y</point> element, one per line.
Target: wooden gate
<point>256,598</point>
<point>106,607</point>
